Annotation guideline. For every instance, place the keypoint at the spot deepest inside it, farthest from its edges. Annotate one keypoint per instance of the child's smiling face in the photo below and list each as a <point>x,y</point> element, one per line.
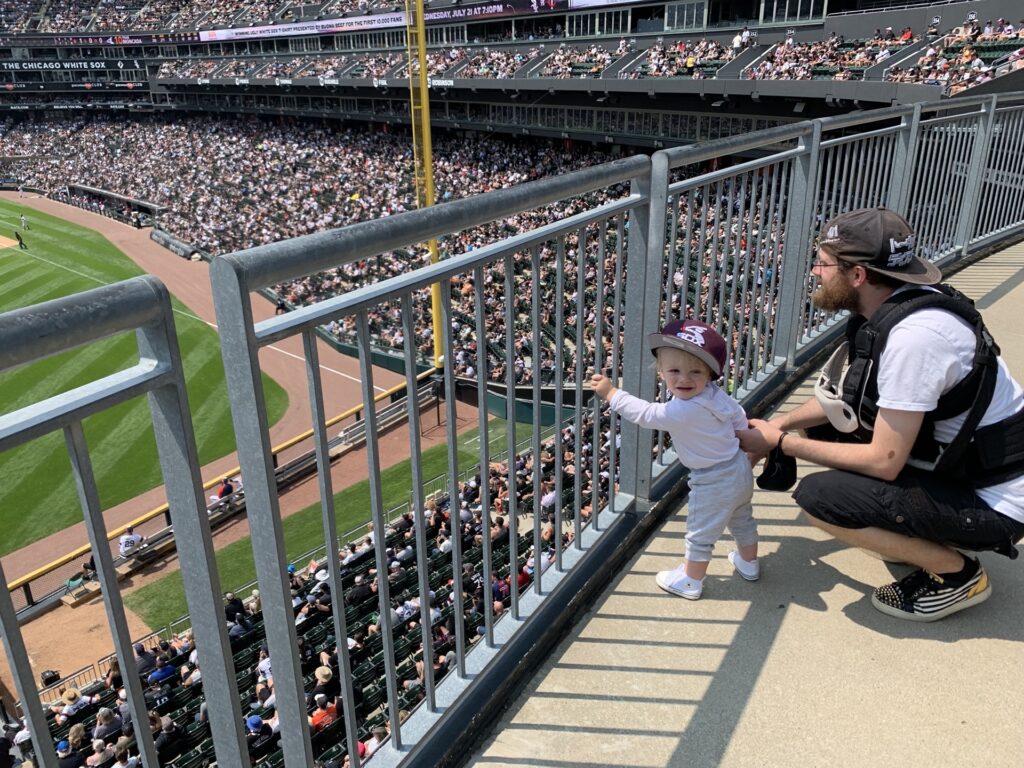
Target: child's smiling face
<point>685,375</point>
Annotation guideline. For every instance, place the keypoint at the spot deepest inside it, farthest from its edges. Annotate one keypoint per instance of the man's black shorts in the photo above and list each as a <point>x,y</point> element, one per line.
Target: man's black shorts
<point>916,503</point>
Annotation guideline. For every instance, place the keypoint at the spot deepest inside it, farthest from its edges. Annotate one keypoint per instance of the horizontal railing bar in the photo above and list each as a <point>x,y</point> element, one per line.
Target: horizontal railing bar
<point>698,153</point>
<point>854,119</point>
<point>282,326</point>
<point>60,410</point>
<point>733,170</point>
<point>266,265</point>
<point>838,140</point>
<point>968,117</point>
<point>32,333</point>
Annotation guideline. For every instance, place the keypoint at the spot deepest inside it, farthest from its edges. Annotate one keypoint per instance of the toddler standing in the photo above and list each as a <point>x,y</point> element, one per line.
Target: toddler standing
<point>702,420</point>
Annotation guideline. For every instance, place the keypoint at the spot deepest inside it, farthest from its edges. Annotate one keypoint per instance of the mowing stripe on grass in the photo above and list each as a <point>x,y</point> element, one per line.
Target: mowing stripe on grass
<point>37,495</point>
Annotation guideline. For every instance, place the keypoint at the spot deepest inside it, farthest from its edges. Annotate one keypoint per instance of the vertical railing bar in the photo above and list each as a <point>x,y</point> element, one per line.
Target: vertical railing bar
<point>20,666</point>
<point>824,199</point>
<point>673,246</point>
<point>764,238</point>
<point>739,281</point>
<point>240,352</point>
<point>733,339</point>
<point>777,250</point>
<point>947,189</point>
<point>989,167</point>
<point>950,189</point>
<point>559,404</point>
<point>379,524</point>
<point>844,205</point>
<point>1015,201</point>
<point>511,476</point>
<point>687,256</point>
<point>995,165</point>
<point>975,176</point>
<point>89,498</point>
<point>330,526</point>
<point>581,359</point>
<point>454,496</point>
<point>482,375</point>
<point>915,194</point>
<point>409,332</point>
<point>873,180</point>
<point>742,363</point>
<point>179,463</point>
<point>939,153</point>
<point>598,362</point>
<point>855,150</point>
<point>538,468</point>
<point>712,265</point>
<point>613,449</point>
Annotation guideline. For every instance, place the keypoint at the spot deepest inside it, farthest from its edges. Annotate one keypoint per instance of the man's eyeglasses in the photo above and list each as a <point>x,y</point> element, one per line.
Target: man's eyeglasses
<point>819,264</point>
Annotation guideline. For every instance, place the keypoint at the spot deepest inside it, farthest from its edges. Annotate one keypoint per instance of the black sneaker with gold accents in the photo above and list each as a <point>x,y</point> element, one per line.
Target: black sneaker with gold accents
<point>925,596</point>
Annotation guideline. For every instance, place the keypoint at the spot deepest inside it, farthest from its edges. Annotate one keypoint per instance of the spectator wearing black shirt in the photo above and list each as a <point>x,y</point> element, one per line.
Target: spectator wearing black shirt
<point>233,606</point>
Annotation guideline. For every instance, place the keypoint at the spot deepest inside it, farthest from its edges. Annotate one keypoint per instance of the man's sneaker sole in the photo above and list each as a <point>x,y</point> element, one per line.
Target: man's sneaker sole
<point>733,557</point>
<point>677,592</point>
<point>938,606</point>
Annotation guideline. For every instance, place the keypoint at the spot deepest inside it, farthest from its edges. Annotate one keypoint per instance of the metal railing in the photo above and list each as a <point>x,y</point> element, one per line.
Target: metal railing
<point>141,306</point>
<point>648,239</point>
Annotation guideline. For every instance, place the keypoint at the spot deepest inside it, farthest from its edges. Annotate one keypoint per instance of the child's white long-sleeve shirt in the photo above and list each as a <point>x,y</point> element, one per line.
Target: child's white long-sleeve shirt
<point>703,428</point>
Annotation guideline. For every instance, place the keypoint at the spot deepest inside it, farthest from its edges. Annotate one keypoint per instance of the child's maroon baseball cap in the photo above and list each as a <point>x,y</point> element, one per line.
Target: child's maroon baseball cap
<point>699,339</point>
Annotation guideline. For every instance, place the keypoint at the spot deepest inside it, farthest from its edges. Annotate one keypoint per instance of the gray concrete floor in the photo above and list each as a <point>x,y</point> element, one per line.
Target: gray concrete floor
<point>794,670</point>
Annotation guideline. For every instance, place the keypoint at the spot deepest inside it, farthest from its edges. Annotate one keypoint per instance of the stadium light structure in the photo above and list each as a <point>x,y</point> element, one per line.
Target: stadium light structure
<point>423,152</point>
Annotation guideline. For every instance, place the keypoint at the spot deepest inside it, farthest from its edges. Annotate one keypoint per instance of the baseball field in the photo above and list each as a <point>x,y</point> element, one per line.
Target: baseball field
<point>37,494</point>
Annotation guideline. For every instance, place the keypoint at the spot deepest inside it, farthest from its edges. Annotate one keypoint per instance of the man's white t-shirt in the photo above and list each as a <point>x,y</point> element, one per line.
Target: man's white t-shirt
<point>928,352</point>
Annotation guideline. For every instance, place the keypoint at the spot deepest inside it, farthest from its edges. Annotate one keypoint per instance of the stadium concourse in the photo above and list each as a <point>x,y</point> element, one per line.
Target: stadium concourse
<point>189,282</point>
<point>797,669</point>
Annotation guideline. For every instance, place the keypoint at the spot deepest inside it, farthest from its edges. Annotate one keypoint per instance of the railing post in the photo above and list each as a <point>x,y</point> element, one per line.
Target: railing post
<point>644,256</point>
<point>240,352</point>
<point>903,161</point>
<point>975,174</point>
<point>186,511</point>
<point>801,212</point>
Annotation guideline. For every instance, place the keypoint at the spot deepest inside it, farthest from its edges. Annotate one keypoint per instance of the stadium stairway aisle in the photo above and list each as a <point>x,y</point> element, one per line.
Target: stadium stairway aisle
<point>796,669</point>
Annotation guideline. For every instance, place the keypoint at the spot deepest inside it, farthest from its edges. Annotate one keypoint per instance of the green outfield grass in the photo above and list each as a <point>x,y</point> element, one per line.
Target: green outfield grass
<point>37,493</point>
<point>163,601</point>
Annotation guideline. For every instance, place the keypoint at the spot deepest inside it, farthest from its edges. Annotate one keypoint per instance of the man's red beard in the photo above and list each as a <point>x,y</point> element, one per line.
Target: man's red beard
<point>835,296</point>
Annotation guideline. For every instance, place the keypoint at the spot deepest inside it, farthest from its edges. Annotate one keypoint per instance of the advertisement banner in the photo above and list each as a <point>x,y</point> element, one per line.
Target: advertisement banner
<point>90,86</point>
<point>47,66</point>
<point>451,14</point>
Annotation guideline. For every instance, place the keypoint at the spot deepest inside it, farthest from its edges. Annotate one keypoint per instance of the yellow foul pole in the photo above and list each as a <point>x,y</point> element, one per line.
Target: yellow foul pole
<point>423,152</point>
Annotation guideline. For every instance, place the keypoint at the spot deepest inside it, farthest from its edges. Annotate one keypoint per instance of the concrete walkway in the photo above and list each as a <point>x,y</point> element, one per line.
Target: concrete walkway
<point>795,670</point>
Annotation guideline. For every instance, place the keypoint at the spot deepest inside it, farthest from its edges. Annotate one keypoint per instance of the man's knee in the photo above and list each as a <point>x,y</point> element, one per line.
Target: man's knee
<point>815,493</point>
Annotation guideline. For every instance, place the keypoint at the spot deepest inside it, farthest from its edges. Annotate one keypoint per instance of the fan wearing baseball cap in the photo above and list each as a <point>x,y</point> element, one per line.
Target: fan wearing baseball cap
<point>933,418</point>
<point>702,420</point>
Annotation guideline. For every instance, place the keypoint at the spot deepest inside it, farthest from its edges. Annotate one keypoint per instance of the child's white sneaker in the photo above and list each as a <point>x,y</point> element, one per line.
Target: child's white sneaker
<point>748,569</point>
<point>678,583</point>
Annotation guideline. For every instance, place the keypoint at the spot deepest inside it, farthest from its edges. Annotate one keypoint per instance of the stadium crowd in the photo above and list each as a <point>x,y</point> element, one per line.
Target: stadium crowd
<point>834,58</point>
<point>685,58</point>
<point>571,61</point>
<point>231,184</point>
<point>94,726</point>
<point>965,58</point>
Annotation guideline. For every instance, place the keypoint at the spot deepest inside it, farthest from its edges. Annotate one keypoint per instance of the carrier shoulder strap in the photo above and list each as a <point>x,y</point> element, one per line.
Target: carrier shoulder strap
<point>974,392</point>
